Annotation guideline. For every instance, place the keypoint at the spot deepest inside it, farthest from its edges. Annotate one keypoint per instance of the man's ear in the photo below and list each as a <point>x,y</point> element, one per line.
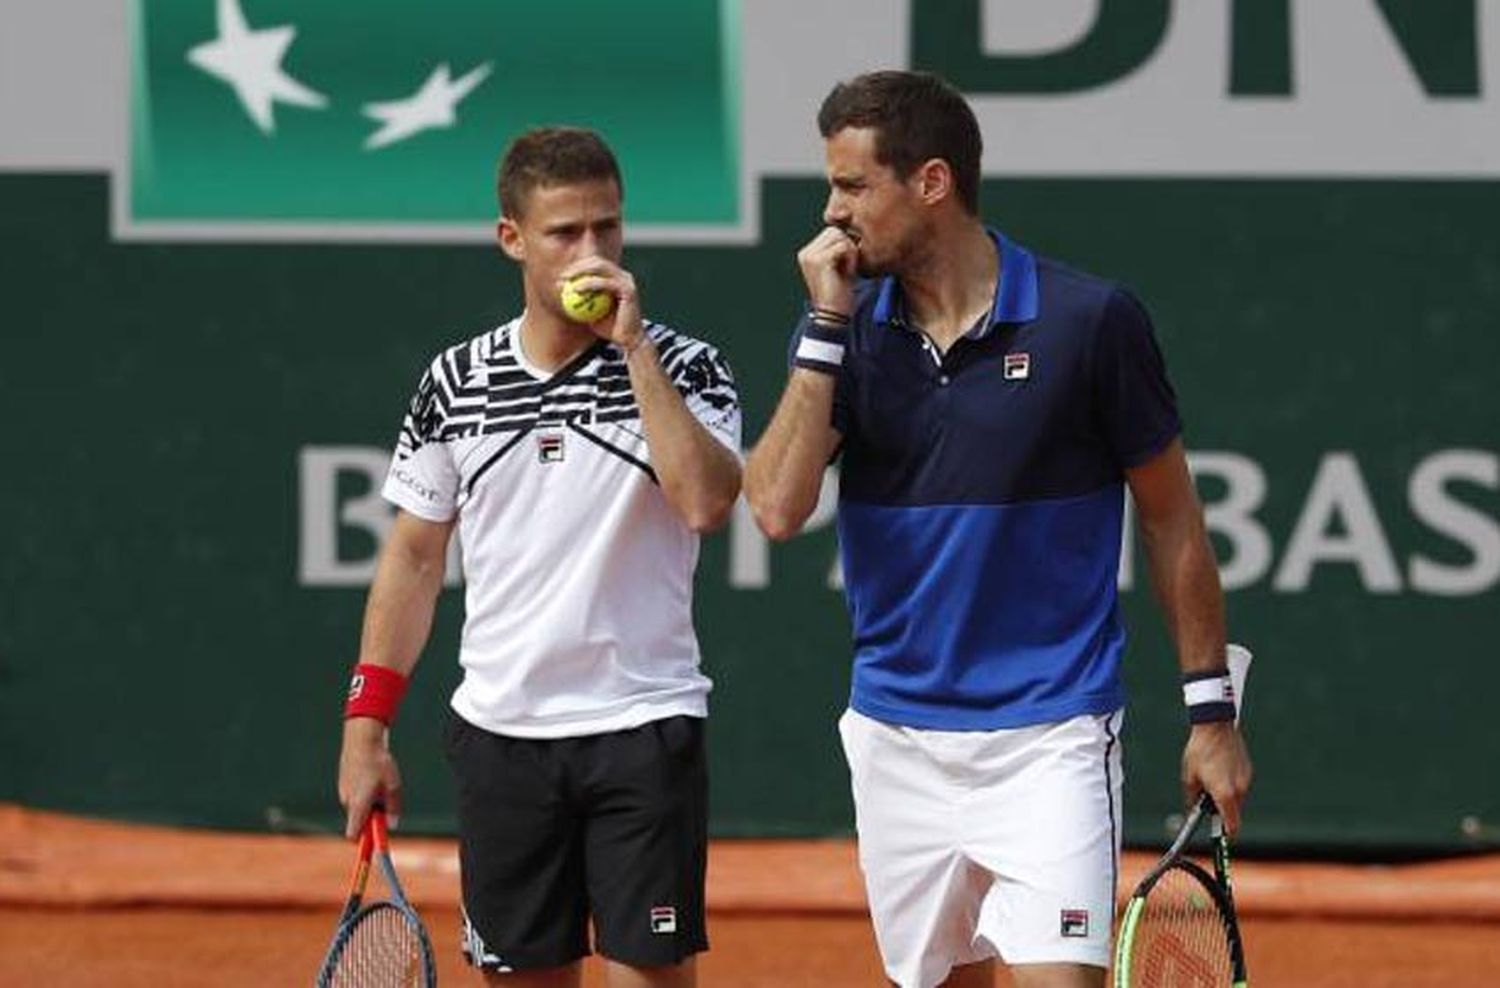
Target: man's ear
<point>934,181</point>
<point>510,239</point>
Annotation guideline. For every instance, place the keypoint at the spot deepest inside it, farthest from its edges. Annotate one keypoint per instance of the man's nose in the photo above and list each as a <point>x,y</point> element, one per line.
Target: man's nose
<point>835,211</point>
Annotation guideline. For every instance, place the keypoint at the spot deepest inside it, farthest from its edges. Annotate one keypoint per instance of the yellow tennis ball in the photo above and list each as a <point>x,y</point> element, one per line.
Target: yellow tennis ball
<point>589,306</point>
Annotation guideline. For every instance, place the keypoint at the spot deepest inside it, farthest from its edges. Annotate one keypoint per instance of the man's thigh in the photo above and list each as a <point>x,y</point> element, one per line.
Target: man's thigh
<point>520,853</point>
<point>646,841</point>
<point>923,893</point>
<point>1049,834</point>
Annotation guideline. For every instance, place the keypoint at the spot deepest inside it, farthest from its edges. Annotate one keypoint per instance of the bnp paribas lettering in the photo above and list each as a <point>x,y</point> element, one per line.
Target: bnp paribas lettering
<point>1446,512</point>
<point>1452,545</point>
<point>1439,40</point>
<point>1452,551</point>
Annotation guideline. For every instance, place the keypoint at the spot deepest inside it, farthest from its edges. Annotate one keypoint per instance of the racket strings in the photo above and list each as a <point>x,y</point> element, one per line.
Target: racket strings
<point>382,951</point>
<point>1180,938</point>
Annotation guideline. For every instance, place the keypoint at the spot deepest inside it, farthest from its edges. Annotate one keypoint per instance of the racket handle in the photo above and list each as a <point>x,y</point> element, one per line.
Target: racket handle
<point>362,855</point>
<point>361,872</point>
<point>377,829</point>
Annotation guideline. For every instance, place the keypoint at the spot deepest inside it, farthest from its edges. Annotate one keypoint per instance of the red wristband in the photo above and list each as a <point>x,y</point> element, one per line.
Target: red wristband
<point>375,691</point>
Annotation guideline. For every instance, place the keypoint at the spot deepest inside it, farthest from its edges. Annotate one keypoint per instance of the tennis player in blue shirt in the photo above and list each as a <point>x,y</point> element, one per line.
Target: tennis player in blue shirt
<point>989,407</point>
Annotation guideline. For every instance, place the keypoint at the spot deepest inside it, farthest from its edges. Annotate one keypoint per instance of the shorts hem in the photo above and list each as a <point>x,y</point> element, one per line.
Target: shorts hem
<point>1090,958</point>
<point>535,962</point>
<point>669,958</point>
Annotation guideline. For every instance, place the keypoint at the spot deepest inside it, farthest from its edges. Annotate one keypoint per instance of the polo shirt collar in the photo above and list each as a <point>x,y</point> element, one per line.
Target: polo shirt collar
<point>1016,294</point>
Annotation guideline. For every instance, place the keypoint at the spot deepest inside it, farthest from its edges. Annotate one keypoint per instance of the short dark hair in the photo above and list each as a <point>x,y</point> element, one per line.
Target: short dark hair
<point>553,156</point>
<point>916,117</point>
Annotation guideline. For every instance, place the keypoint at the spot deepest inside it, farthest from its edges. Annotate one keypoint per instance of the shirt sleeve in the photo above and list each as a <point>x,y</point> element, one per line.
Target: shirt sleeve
<point>707,387</point>
<point>839,418</point>
<point>423,478</point>
<point>1136,403</point>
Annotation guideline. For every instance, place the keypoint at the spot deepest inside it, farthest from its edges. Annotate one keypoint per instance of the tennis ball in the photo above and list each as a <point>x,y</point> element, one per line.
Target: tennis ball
<point>587,307</point>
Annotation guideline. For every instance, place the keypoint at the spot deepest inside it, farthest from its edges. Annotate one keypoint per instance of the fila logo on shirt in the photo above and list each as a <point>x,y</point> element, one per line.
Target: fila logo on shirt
<point>663,919</point>
<point>549,447</point>
<point>1017,366</point>
<point>1075,923</point>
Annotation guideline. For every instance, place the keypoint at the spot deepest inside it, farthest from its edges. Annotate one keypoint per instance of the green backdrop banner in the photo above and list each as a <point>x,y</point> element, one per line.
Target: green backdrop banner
<point>195,430</point>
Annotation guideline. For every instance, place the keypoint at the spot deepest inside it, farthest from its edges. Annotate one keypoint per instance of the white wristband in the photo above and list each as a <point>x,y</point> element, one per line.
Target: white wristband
<point>821,351</point>
<point>820,348</point>
<point>1209,697</point>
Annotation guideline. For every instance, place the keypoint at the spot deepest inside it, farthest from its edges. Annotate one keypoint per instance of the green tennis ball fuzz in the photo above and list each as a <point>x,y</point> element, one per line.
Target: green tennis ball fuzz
<point>585,306</point>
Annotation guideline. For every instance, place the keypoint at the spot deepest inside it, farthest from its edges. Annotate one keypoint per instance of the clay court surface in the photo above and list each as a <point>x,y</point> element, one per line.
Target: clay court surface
<point>90,903</point>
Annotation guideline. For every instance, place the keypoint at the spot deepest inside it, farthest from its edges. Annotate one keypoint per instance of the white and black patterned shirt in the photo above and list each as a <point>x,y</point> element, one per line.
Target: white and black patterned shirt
<point>579,574</point>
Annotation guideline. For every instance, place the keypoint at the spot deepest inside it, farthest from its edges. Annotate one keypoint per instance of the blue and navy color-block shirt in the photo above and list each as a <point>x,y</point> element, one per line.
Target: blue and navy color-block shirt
<point>982,494</point>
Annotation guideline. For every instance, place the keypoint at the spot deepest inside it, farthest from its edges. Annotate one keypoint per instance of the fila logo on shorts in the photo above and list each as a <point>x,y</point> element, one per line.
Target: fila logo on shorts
<point>1075,923</point>
<point>549,447</point>
<point>663,919</point>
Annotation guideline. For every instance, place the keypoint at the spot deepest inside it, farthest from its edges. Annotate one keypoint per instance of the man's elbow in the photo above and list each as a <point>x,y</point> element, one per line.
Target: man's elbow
<point>778,520</point>
<point>709,516</point>
<point>706,510</point>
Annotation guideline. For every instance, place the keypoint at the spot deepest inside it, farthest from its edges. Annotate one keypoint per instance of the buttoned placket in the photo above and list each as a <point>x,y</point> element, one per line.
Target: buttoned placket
<point>930,348</point>
<point>945,368</point>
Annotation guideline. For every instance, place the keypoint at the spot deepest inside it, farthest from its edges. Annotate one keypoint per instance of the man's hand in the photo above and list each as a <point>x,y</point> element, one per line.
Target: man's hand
<point>1216,761</point>
<point>367,773</point>
<point>623,326</point>
<point>829,262</point>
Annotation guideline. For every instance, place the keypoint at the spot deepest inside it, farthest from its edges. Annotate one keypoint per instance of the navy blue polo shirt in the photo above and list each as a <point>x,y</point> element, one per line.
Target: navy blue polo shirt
<point>982,494</point>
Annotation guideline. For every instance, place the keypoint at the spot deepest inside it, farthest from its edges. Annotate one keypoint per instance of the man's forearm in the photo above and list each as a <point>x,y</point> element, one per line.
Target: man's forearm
<point>398,619</point>
<point>784,472</point>
<point>698,474</point>
<point>1186,578</point>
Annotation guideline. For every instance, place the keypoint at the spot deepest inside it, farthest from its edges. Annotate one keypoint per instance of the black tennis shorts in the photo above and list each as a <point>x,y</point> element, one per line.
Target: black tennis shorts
<point>552,833</point>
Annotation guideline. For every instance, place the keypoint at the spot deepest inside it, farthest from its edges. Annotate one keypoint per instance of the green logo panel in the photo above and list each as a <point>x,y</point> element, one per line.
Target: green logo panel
<point>394,112</point>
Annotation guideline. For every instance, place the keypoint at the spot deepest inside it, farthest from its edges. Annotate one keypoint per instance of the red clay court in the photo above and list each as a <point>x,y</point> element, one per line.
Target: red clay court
<point>85,902</point>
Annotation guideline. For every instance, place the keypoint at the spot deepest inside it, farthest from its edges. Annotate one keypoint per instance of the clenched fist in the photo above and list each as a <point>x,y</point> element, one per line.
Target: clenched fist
<point>829,262</point>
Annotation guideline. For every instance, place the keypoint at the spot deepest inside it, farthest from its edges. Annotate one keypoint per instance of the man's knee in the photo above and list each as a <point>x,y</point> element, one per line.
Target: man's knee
<point>682,975</point>
<point>980,974</point>
<point>1057,976</point>
<point>567,976</point>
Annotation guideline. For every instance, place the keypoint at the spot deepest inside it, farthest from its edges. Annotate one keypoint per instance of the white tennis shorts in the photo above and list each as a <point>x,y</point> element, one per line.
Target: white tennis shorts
<point>976,844</point>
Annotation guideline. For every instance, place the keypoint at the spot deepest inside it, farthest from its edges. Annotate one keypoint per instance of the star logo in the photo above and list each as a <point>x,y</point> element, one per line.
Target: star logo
<point>434,105</point>
<point>285,120</point>
<point>250,62</point>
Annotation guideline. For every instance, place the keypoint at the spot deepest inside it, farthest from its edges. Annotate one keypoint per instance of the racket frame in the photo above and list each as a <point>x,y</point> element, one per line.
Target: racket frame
<point>1217,885</point>
<point>374,842</point>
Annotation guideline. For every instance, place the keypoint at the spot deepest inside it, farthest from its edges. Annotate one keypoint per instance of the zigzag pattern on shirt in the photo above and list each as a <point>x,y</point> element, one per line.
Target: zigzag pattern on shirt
<point>479,388</point>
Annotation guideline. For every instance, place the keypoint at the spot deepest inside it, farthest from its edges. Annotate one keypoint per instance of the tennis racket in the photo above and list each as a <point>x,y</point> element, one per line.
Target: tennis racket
<point>380,944</point>
<point>1180,929</point>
